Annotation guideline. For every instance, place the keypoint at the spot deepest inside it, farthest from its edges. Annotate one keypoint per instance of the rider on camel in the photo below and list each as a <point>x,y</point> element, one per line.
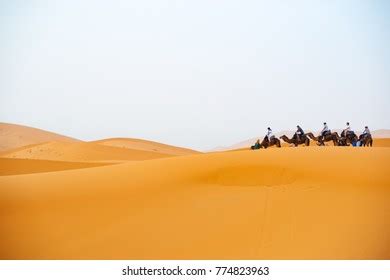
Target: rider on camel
<point>269,135</point>
<point>299,133</point>
<point>347,130</point>
<point>325,130</point>
<point>365,133</point>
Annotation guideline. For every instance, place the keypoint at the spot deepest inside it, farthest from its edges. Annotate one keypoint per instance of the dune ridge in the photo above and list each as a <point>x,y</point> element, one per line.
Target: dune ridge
<point>24,142</point>
<point>145,145</point>
<point>14,136</point>
<point>80,151</point>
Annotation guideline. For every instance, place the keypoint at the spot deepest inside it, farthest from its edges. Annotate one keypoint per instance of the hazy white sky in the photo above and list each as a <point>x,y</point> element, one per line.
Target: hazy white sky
<point>193,73</point>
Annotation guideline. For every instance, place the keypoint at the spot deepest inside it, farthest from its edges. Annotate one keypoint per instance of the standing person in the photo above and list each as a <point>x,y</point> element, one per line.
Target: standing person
<point>299,133</point>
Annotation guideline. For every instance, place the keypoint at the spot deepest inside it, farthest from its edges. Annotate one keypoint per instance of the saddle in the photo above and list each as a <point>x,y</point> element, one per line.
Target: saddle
<point>349,133</point>
<point>326,133</point>
<point>366,135</point>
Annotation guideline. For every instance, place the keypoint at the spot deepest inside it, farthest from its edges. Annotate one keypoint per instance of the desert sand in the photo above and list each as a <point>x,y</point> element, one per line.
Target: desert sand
<point>80,151</point>
<point>134,199</point>
<point>14,136</point>
<point>10,166</point>
<point>145,145</point>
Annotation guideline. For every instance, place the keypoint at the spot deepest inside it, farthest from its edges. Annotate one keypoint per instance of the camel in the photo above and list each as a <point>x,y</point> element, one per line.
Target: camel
<point>328,137</point>
<point>302,140</point>
<point>274,141</point>
<point>342,141</point>
<point>348,139</point>
<point>366,140</point>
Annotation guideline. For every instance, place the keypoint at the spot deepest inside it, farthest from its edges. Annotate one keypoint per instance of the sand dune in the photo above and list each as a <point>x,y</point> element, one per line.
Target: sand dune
<point>11,166</point>
<point>381,142</point>
<point>80,151</point>
<point>14,136</point>
<point>304,203</point>
<point>145,145</point>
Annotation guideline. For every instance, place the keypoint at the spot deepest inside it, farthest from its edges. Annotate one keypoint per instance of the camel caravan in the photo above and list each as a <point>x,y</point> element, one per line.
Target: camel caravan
<point>347,138</point>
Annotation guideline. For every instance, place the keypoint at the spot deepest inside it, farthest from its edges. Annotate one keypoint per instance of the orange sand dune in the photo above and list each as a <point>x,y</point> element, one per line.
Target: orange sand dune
<point>381,142</point>
<point>145,145</point>
<point>14,136</point>
<point>304,203</point>
<point>11,166</point>
<point>80,151</point>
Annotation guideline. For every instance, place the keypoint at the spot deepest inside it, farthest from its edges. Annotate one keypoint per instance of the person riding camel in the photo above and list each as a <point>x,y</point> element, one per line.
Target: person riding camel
<point>299,133</point>
<point>325,130</point>
<point>365,133</point>
<point>346,131</point>
<point>269,135</point>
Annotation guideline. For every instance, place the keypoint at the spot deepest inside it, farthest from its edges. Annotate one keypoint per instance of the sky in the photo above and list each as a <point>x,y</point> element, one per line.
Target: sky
<point>197,74</point>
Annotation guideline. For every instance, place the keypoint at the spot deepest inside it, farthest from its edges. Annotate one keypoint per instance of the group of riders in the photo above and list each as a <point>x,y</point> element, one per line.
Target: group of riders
<point>346,138</point>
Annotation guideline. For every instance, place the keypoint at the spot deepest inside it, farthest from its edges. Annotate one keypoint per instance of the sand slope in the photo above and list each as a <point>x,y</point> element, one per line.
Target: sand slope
<point>80,151</point>
<point>11,166</point>
<point>381,142</point>
<point>145,145</point>
<point>304,203</point>
<point>14,136</point>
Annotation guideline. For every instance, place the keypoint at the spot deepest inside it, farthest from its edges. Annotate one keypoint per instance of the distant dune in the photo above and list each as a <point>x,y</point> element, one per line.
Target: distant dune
<point>381,133</point>
<point>304,203</point>
<point>24,142</point>
<point>80,151</point>
<point>14,136</point>
<point>145,145</point>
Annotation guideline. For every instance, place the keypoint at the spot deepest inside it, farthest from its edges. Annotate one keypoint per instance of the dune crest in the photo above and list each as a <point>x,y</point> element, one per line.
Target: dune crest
<point>145,145</point>
<point>80,151</point>
<point>13,136</point>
